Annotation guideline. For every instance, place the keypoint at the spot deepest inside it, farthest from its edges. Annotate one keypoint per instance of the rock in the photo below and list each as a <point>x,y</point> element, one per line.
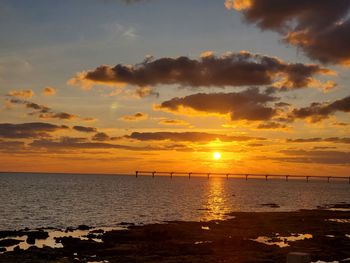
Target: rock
<point>4,234</point>
<point>9,242</point>
<point>298,257</point>
<point>33,235</point>
<point>83,227</point>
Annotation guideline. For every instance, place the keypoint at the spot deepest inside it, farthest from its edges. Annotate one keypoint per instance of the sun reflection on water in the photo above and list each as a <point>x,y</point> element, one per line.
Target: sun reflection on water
<point>216,205</point>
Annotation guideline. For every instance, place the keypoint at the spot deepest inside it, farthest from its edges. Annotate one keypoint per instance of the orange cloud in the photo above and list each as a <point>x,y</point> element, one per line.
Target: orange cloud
<point>138,116</point>
<point>27,94</point>
<point>49,91</point>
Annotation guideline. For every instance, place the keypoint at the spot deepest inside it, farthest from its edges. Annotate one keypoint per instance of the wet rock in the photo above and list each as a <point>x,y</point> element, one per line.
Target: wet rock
<point>9,242</point>
<point>33,235</point>
<point>83,227</point>
<point>4,234</point>
<point>97,231</point>
<point>2,249</point>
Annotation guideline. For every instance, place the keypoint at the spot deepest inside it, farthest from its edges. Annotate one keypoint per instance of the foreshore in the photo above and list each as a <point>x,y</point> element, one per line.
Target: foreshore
<point>245,237</point>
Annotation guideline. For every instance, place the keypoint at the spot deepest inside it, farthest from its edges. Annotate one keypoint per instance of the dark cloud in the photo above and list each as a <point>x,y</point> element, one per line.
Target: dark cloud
<point>101,136</point>
<point>331,139</point>
<point>319,111</point>
<point>313,156</point>
<point>271,125</point>
<point>71,143</point>
<point>84,129</point>
<point>165,121</point>
<point>28,130</point>
<point>250,104</point>
<point>321,28</point>
<point>42,111</point>
<point>138,116</point>
<point>187,137</point>
<point>78,143</point>
<point>232,69</point>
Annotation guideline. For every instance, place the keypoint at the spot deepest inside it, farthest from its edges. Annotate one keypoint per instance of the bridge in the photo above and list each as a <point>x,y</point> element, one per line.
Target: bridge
<point>242,175</point>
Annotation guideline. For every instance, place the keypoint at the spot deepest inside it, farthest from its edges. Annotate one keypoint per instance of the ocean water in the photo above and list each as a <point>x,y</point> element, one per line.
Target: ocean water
<point>69,200</point>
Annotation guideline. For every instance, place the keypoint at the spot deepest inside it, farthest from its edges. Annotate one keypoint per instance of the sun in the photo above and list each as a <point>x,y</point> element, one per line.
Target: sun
<point>216,155</point>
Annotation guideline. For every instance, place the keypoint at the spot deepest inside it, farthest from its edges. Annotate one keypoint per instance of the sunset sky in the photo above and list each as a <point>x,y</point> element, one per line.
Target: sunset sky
<point>112,86</point>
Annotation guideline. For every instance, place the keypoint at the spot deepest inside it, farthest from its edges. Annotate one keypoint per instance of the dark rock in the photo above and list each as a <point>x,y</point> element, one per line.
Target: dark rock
<point>15,233</point>
<point>2,249</point>
<point>9,242</point>
<point>83,227</point>
<point>97,231</point>
<point>33,235</point>
<point>17,248</point>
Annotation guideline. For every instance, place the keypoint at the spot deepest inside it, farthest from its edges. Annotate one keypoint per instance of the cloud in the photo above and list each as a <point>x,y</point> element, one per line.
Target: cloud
<point>165,121</point>
<point>249,104</point>
<point>84,129</point>
<point>11,146</point>
<point>143,92</point>
<point>117,29</point>
<point>28,130</point>
<point>42,111</point>
<point>49,91</point>
<point>310,140</point>
<point>314,156</point>
<point>320,28</point>
<point>138,116</point>
<point>27,94</point>
<point>71,143</point>
<point>187,137</point>
<point>231,69</point>
<point>271,125</point>
<point>101,136</point>
<point>78,143</point>
<point>319,111</point>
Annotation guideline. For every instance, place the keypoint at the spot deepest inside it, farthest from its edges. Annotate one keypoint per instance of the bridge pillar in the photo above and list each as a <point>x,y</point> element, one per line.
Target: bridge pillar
<point>226,176</point>
<point>153,174</point>
<point>266,177</point>
<point>307,178</point>
<point>246,177</point>
<point>171,175</point>
<point>137,174</point>
<point>208,175</point>
<point>287,177</point>
<point>328,178</point>
<point>189,175</point>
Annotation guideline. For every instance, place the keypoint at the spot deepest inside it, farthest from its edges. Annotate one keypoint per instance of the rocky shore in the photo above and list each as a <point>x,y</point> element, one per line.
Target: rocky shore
<point>245,237</point>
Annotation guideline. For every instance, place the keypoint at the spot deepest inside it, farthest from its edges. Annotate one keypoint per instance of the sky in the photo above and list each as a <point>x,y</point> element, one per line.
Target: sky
<point>113,86</point>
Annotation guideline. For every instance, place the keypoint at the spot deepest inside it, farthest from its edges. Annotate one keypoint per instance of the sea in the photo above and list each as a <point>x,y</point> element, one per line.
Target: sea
<point>37,200</point>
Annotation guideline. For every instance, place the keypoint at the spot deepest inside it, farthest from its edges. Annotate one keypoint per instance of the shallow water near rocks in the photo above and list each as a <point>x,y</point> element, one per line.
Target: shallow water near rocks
<point>53,235</point>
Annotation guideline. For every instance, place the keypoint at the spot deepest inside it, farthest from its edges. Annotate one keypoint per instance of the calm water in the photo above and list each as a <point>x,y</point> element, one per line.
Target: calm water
<point>62,200</point>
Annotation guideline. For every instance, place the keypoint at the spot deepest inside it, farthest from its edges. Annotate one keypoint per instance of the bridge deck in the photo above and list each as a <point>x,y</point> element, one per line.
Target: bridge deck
<point>244,175</point>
